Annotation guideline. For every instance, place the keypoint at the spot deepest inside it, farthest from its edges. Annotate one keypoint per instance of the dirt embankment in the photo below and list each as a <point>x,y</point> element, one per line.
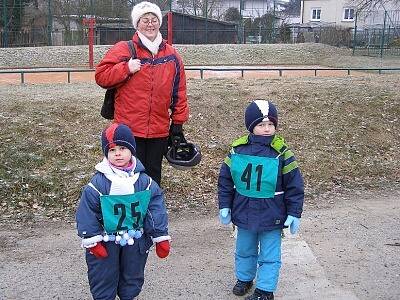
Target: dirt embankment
<point>221,54</point>
<point>343,131</point>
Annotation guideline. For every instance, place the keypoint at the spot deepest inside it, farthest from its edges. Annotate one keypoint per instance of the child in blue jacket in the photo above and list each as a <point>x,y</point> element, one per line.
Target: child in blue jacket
<point>260,190</point>
<point>120,215</point>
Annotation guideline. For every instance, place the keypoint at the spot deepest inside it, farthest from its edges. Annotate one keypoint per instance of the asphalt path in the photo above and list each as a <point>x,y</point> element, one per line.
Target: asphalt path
<point>46,262</point>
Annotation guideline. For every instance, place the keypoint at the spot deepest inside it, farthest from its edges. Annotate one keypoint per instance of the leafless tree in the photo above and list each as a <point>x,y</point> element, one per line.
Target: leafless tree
<point>292,7</point>
<point>202,8</point>
<point>372,4</point>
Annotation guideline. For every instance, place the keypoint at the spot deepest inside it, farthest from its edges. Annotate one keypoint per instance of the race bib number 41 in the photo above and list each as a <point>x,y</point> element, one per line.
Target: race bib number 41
<point>254,176</point>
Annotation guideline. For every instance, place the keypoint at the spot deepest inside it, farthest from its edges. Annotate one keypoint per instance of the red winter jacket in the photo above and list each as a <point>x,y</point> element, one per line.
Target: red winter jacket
<point>149,98</point>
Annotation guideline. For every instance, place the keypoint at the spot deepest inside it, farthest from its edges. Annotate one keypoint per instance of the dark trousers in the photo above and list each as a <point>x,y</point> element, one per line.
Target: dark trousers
<point>121,273</point>
<point>151,152</point>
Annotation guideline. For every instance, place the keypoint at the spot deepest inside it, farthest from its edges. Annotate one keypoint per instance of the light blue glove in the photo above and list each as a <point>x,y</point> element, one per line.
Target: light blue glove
<point>293,223</point>
<point>225,216</point>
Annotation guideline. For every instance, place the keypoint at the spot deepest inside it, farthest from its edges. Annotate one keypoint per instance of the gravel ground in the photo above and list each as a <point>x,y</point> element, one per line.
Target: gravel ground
<point>348,251</point>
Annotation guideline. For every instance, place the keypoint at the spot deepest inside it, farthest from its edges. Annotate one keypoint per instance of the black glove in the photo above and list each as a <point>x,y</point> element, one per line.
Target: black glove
<point>175,129</point>
<point>176,134</point>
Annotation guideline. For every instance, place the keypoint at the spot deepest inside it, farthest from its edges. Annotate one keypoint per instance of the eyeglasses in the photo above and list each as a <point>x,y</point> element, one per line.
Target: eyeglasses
<point>148,21</point>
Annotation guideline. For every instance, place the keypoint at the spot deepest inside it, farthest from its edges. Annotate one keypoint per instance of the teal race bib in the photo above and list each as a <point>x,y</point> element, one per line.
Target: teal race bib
<point>254,176</point>
<point>124,212</point>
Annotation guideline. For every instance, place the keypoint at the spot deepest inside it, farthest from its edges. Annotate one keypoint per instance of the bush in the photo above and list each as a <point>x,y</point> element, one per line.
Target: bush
<point>334,36</point>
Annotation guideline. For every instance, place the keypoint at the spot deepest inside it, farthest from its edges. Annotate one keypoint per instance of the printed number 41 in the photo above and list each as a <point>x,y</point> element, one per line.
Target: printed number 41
<point>246,176</point>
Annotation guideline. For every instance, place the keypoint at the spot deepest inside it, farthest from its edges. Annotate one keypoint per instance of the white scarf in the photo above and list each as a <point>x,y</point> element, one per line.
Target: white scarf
<point>151,45</point>
<point>122,183</point>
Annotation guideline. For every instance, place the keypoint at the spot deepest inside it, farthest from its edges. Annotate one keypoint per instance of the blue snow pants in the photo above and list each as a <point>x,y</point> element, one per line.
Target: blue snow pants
<point>121,273</point>
<point>262,249</point>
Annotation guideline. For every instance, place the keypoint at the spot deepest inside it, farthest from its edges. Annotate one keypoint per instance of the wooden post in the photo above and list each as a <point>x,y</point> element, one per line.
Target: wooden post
<point>91,23</point>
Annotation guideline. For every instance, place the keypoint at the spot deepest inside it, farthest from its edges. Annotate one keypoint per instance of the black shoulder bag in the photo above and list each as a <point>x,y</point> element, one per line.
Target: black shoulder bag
<point>107,110</point>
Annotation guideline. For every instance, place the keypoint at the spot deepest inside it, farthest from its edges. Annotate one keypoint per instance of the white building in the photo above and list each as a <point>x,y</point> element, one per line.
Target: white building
<point>249,8</point>
<point>335,12</point>
<point>342,12</point>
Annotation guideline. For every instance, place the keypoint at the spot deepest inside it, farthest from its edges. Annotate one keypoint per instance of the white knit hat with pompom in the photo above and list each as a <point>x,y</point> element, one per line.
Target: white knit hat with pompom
<point>143,8</point>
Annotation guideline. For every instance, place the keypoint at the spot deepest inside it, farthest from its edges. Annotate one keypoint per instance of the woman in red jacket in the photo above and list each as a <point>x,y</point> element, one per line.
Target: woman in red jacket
<point>151,88</point>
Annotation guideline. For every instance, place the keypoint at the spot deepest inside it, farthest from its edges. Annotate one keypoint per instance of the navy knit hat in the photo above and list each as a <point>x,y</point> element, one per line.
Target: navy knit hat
<point>117,134</point>
<point>258,111</point>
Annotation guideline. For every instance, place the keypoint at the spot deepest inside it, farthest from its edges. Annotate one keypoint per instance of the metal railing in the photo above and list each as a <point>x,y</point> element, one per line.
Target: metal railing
<point>202,70</point>
<point>22,72</point>
<point>281,70</point>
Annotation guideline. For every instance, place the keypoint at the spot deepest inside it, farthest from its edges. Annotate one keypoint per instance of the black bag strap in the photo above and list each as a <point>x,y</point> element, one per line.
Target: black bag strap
<point>132,49</point>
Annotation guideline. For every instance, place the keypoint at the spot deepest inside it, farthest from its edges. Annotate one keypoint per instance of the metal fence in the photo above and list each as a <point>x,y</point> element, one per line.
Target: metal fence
<point>39,37</point>
<point>202,70</point>
<point>377,33</point>
<point>201,22</point>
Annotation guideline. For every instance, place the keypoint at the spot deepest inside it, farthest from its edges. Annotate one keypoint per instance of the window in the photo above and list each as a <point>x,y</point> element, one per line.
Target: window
<point>348,14</point>
<point>316,14</point>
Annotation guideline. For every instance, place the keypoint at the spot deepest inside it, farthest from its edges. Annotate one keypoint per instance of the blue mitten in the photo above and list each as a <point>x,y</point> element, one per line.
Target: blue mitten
<point>293,223</point>
<point>225,216</point>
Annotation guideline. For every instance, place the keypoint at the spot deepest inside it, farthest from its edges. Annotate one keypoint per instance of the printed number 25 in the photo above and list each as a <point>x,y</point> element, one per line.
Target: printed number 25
<point>246,176</point>
<point>122,208</point>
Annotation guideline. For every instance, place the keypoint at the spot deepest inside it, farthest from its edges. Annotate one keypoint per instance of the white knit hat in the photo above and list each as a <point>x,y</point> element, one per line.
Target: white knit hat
<point>143,8</point>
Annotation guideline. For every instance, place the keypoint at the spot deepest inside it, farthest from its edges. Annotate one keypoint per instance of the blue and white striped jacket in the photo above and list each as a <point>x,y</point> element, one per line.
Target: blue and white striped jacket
<point>262,214</point>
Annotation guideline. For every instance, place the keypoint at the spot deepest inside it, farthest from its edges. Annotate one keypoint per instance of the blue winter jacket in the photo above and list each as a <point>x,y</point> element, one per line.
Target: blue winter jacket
<point>89,217</point>
<point>261,214</point>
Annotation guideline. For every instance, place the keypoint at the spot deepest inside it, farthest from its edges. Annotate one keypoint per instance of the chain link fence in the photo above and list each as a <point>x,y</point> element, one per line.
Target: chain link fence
<point>57,22</point>
<point>377,33</point>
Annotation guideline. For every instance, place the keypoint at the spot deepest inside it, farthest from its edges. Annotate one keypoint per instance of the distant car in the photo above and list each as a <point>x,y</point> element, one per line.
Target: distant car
<point>253,39</point>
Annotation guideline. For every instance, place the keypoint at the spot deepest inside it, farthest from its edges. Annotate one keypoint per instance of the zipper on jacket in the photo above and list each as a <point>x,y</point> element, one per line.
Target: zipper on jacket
<point>151,93</point>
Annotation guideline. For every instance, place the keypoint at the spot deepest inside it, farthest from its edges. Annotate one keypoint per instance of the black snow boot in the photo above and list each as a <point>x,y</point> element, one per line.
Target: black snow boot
<point>242,287</point>
<point>261,295</point>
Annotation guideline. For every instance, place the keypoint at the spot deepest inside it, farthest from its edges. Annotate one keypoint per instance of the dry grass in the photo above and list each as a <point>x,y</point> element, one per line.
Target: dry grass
<point>344,132</point>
